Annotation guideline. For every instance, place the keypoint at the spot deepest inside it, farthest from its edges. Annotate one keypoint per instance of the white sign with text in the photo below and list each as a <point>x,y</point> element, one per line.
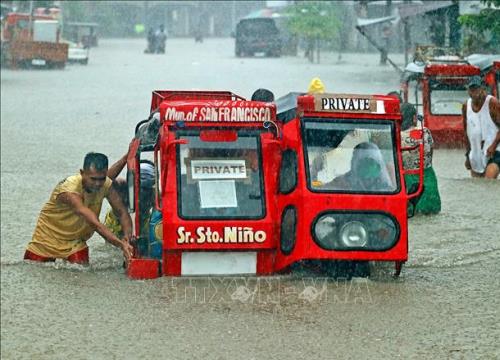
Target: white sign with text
<point>212,169</point>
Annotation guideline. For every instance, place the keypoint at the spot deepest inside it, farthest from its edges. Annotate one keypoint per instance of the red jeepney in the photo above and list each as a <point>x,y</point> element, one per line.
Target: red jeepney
<point>217,156</point>
<point>240,189</point>
<point>438,88</point>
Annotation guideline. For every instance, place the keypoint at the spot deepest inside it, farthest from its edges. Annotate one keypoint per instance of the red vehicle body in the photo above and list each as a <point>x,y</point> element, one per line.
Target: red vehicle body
<point>21,48</point>
<point>492,78</point>
<point>235,191</point>
<point>308,127</point>
<point>439,89</point>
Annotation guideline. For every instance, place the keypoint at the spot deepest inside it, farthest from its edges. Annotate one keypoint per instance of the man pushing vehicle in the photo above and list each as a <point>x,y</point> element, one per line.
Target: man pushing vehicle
<point>71,215</point>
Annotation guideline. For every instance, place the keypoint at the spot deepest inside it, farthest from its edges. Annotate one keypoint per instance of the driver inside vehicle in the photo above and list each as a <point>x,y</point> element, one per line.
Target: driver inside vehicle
<point>368,172</point>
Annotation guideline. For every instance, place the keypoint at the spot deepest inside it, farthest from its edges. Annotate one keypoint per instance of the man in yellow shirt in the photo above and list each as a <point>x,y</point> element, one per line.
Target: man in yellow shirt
<point>71,215</point>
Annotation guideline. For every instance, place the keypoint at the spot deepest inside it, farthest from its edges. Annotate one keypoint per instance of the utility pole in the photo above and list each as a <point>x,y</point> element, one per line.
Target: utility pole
<point>233,15</point>
<point>386,34</point>
<point>31,18</point>
<point>406,34</point>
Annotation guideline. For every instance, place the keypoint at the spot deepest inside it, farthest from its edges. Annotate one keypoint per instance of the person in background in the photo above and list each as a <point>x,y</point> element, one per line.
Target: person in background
<point>481,119</point>
<point>111,219</point>
<point>151,38</point>
<point>430,201</point>
<point>146,198</point>
<point>316,86</point>
<point>368,171</point>
<point>71,215</point>
<point>263,95</point>
<point>160,40</point>
<point>397,95</point>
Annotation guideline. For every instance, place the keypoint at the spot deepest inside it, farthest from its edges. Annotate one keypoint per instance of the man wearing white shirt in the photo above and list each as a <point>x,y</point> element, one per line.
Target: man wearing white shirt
<point>481,116</point>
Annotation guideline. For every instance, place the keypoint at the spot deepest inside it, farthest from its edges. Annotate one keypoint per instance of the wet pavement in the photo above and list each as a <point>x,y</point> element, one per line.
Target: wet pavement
<point>445,304</point>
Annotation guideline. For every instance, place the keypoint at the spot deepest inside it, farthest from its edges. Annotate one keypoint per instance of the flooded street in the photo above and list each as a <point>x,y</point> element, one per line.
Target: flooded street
<point>444,305</point>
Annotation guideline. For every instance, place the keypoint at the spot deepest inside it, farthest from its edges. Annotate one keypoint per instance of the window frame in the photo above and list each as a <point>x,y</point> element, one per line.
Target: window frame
<point>241,133</point>
<point>392,125</point>
<point>429,97</point>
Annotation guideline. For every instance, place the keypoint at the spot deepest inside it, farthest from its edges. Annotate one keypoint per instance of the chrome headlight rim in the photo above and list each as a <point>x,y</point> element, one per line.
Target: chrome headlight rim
<point>363,233</point>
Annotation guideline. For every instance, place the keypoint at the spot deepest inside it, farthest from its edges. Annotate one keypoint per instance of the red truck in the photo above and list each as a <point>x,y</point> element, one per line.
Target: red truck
<point>32,41</point>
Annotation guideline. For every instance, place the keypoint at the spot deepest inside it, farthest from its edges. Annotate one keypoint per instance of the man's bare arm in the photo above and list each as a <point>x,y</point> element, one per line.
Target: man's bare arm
<point>495,111</point>
<point>117,167</point>
<point>490,152</point>
<point>119,209</point>
<point>76,203</point>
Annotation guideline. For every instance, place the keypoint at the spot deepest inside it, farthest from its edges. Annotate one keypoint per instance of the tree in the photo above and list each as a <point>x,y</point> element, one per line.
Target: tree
<point>314,21</point>
<point>484,27</point>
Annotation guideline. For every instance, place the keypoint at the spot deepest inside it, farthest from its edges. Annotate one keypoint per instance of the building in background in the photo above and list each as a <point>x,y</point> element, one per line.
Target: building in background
<point>219,19</point>
<point>180,18</point>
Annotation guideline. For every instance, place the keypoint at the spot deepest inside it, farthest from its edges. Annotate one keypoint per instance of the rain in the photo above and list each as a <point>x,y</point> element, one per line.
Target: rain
<point>90,90</point>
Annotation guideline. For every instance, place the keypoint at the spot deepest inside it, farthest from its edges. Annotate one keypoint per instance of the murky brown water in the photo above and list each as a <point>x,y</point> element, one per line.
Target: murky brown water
<point>445,305</point>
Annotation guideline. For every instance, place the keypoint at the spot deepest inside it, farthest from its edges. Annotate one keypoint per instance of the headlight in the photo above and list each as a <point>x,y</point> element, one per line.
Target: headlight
<point>353,234</point>
<point>355,231</point>
<point>326,230</point>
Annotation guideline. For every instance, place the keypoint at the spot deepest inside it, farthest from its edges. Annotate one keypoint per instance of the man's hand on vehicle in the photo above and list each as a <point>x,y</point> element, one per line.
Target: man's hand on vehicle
<point>127,249</point>
<point>128,237</point>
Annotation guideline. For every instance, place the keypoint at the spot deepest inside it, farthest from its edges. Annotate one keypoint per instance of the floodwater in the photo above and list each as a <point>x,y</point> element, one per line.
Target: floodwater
<point>444,305</point>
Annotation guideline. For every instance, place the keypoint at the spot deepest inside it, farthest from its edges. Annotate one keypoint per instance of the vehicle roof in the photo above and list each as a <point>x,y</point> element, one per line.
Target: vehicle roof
<point>266,13</point>
<point>288,104</point>
<point>256,19</point>
<point>159,96</point>
<point>89,24</point>
<point>482,61</point>
<point>17,15</point>
<point>210,107</point>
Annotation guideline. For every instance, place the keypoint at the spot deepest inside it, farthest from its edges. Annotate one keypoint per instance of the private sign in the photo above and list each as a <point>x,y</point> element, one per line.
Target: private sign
<point>345,103</point>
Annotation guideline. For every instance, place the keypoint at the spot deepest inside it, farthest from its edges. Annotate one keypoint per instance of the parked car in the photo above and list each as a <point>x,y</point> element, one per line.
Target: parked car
<point>77,53</point>
<point>81,32</point>
<point>257,35</point>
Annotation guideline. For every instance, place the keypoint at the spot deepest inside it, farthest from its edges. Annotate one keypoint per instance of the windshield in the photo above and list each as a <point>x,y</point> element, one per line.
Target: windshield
<point>258,27</point>
<point>447,99</point>
<point>350,156</point>
<point>220,180</point>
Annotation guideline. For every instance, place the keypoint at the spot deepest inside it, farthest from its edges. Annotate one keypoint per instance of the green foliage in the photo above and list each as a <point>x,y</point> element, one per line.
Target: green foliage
<point>487,22</point>
<point>314,19</point>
